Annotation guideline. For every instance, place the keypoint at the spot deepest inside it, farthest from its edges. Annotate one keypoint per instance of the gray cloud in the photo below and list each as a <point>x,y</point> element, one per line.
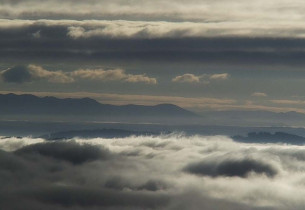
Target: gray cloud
<point>231,167</point>
<point>17,74</point>
<point>70,152</point>
<point>166,41</point>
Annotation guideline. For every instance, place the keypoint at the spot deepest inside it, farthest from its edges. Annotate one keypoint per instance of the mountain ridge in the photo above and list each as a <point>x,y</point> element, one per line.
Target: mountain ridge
<point>29,106</point>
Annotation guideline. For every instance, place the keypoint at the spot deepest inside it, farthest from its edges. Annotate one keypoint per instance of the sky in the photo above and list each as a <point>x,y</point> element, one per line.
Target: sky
<point>201,55</point>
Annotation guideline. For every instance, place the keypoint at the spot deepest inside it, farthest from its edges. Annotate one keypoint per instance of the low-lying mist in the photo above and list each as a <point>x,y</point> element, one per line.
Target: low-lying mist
<point>150,172</point>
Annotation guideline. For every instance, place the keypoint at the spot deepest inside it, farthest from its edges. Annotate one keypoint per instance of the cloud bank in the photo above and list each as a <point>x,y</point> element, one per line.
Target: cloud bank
<point>152,172</point>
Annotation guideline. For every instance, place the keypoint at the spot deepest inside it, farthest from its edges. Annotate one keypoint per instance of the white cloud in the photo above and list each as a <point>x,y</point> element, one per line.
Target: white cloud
<point>259,94</point>
<point>223,76</point>
<point>112,75</point>
<point>205,78</point>
<point>187,78</point>
<point>39,72</point>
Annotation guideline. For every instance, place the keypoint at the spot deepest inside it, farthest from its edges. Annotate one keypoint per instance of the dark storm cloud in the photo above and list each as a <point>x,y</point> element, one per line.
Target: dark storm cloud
<point>70,152</point>
<point>238,167</point>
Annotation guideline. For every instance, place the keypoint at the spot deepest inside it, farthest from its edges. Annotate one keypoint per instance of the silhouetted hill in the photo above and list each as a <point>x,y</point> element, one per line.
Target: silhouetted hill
<point>32,107</point>
<point>266,137</point>
<point>98,133</point>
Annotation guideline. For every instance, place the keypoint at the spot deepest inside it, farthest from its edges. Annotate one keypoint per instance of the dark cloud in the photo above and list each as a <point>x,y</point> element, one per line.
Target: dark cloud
<point>38,177</point>
<point>17,74</point>
<point>82,196</point>
<point>29,73</point>
<point>231,167</point>
<point>119,183</point>
<point>70,152</point>
<point>54,43</point>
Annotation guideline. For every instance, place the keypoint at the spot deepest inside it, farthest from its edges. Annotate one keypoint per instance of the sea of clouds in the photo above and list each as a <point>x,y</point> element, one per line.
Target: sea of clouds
<point>150,172</point>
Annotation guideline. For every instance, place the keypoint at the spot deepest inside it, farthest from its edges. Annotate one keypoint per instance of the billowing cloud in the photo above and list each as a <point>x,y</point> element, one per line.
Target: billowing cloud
<point>259,94</point>
<point>164,172</point>
<point>112,75</point>
<point>21,74</point>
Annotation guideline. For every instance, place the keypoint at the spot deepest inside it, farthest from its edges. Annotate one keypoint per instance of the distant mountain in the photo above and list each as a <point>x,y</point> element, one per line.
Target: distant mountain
<point>29,107</point>
<point>266,137</point>
<point>97,133</point>
<point>50,109</point>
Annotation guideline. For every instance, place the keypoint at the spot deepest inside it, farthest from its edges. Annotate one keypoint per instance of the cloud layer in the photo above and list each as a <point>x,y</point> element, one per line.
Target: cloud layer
<point>243,16</point>
<point>161,172</point>
<point>105,40</point>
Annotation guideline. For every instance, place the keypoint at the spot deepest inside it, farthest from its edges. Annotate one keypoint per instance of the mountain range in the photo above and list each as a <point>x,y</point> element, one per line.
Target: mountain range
<point>30,107</point>
<point>33,108</point>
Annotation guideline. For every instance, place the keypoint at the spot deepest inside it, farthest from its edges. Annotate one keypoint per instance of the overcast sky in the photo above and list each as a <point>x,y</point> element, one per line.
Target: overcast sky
<point>201,55</point>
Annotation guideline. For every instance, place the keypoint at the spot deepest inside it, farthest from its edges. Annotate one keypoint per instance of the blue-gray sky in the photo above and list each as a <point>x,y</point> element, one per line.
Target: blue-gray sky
<point>201,55</point>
